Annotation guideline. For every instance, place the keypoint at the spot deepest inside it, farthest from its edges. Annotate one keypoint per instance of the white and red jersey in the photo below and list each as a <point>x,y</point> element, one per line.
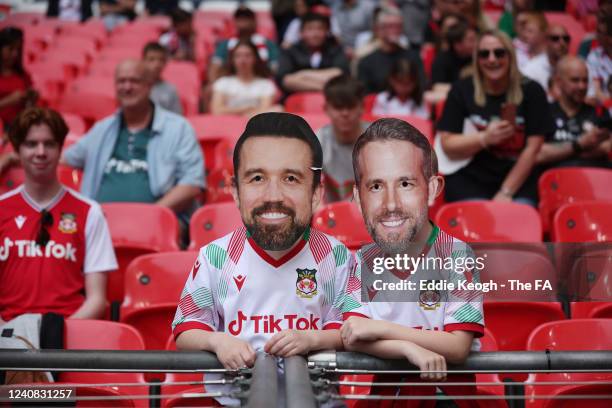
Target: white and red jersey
<point>236,287</point>
<point>458,309</point>
<point>36,279</point>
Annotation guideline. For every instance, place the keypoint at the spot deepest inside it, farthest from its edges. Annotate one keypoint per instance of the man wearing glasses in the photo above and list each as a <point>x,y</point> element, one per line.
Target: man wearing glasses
<point>55,246</point>
<point>557,45</point>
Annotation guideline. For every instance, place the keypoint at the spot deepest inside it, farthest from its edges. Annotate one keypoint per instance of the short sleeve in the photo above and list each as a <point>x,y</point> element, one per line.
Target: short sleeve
<point>190,160</point>
<point>352,304</point>
<point>464,306</point>
<point>220,85</point>
<point>343,261</point>
<point>197,308</point>
<point>538,118</point>
<point>99,252</point>
<point>454,112</point>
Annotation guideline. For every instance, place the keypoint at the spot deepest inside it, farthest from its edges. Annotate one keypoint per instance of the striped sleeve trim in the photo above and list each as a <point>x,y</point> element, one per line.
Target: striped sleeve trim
<point>183,327</point>
<point>332,326</point>
<point>346,315</point>
<point>476,328</point>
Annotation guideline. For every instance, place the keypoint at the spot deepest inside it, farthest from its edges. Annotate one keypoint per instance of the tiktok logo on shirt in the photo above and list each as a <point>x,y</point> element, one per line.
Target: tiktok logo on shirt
<point>270,323</point>
<point>30,249</point>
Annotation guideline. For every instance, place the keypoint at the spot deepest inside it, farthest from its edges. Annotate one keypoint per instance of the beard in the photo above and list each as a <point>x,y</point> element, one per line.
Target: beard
<point>275,237</point>
<point>397,242</point>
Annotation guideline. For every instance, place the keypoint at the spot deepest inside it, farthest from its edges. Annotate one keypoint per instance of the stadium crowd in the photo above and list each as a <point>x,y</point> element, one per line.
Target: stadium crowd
<point>99,110</point>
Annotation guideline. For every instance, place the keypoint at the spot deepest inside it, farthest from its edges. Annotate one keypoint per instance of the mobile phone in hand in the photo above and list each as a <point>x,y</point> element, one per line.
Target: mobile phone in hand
<point>508,113</point>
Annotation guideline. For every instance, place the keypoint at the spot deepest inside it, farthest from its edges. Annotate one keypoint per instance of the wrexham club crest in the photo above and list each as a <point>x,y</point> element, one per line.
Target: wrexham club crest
<point>306,284</point>
<point>429,299</point>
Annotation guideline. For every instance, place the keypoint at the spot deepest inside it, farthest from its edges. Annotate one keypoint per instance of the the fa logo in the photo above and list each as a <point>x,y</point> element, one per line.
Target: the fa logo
<point>306,284</point>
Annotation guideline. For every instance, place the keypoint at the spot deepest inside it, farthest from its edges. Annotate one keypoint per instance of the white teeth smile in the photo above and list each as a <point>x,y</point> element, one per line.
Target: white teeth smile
<point>273,216</point>
<point>393,223</point>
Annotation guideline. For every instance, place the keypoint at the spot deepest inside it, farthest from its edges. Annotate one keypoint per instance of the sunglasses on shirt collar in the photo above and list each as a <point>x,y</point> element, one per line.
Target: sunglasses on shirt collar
<point>46,221</point>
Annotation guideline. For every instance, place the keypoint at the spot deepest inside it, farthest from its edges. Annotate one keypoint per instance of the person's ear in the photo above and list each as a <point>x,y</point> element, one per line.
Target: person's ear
<point>356,197</point>
<point>235,194</point>
<point>435,188</point>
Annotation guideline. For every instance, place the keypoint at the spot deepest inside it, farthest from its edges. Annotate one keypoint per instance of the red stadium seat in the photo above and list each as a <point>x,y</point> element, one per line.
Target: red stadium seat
<point>118,53</point>
<point>571,184</point>
<point>305,102</point>
<point>92,98</point>
<point>511,323</point>
<point>342,220</point>
<point>91,29</point>
<point>585,310</point>
<point>428,54</point>
<point>219,186</point>
<point>602,311</point>
<point>213,129</point>
<point>185,77</point>
<point>137,229</point>
<point>213,221</point>
<point>425,126</point>
<point>316,120</point>
<point>587,221</point>
<point>75,45</point>
<point>69,176</point>
<point>153,285</point>
<point>103,335</point>
<point>15,176</point>
<point>75,123</point>
<point>490,221</point>
<point>569,335</point>
<point>74,64</point>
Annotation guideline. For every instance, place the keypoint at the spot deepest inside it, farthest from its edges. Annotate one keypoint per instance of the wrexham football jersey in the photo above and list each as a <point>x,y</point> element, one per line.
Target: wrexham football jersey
<point>35,279</point>
<point>426,308</point>
<point>236,287</point>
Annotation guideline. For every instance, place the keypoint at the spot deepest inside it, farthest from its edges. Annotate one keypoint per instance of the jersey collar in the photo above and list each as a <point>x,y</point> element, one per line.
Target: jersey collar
<point>285,258</point>
<point>35,205</point>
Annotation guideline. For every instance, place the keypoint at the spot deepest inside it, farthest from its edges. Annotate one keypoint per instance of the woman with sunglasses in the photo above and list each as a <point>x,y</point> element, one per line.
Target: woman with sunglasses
<point>55,244</point>
<point>493,126</point>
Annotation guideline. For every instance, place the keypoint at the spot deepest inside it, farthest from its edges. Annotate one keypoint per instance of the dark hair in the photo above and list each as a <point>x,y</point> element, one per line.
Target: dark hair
<point>388,129</point>
<point>37,116</point>
<point>179,15</point>
<point>281,124</point>
<point>343,91</point>
<point>260,68</point>
<point>404,67</point>
<point>9,36</point>
<point>311,16</point>
<point>456,32</point>
<point>244,12</point>
<point>153,46</point>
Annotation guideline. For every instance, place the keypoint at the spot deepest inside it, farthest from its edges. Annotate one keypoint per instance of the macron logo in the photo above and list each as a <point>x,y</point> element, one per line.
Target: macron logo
<point>20,220</point>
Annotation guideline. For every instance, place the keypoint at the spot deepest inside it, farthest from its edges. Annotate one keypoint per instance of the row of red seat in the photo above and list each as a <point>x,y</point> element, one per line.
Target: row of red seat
<point>555,335</point>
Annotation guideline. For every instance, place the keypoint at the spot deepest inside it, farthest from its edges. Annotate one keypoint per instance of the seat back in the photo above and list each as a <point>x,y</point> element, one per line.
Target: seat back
<point>342,220</point>
<point>587,221</point>
<point>305,102</point>
<point>153,285</point>
<point>571,184</point>
<point>219,186</point>
<point>213,221</point>
<point>490,221</point>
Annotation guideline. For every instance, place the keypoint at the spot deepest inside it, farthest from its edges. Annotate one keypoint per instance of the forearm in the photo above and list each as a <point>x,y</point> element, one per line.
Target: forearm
<point>521,169</point>
<point>601,151</point>
<point>298,82</point>
<point>458,146</point>
<point>92,308</point>
<point>453,346</point>
<point>180,197</point>
<point>199,340</point>
<point>325,340</point>
<point>553,152</point>
<point>8,101</point>
<point>380,348</point>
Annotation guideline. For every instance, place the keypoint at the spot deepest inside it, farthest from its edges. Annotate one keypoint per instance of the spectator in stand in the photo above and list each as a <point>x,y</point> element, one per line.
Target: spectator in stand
<point>142,153</point>
<point>456,62</point>
<point>404,95</point>
<point>580,137</point>
<point>245,22</point>
<point>117,12</point>
<point>557,46</point>
<point>532,36</point>
<point>70,10</point>
<point>56,247</point>
<point>509,119</point>
<point>507,20</point>
<point>344,107</point>
<point>309,64</point>
<point>416,16</point>
<point>179,41</point>
<point>163,93</point>
<point>353,17</point>
<point>373,69</point>
<point>283,13</point>
<point>161,7</point>
<point>599,60</point>
<point>292,35</point>
<point>16,92</point>
<point>469,9</point>
<point>245,87</point>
